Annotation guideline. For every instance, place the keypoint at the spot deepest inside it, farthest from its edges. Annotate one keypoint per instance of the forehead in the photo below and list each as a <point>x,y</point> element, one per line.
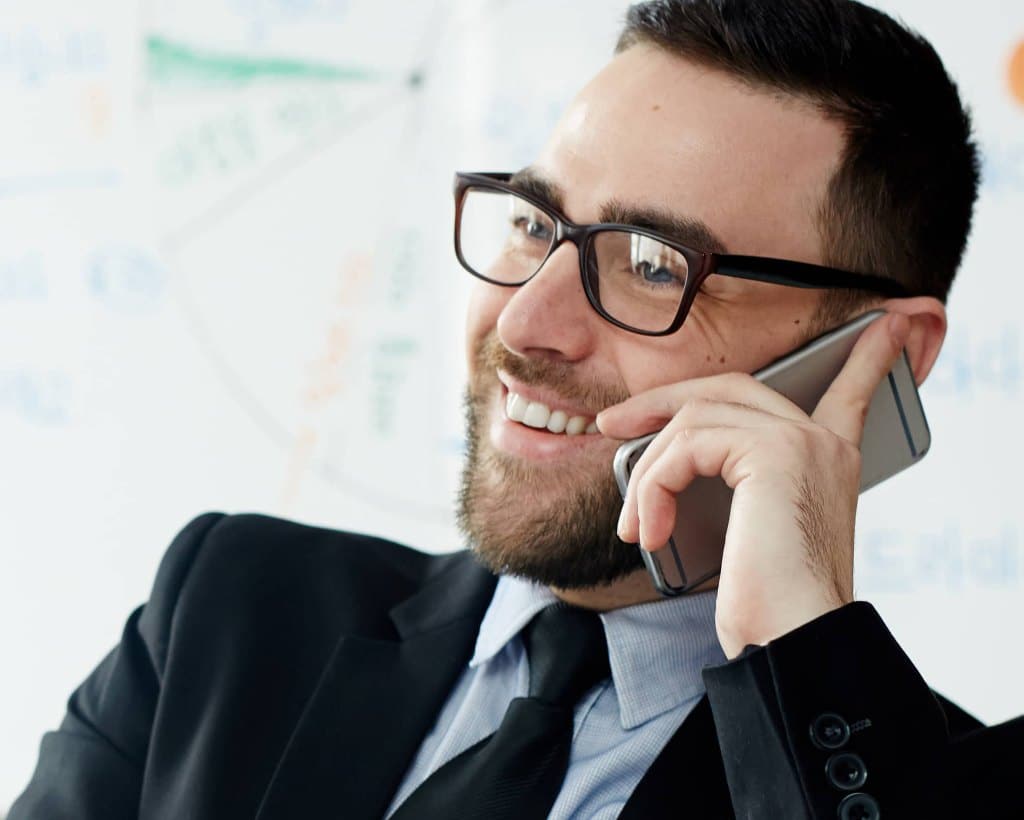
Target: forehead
<point>655,130</point>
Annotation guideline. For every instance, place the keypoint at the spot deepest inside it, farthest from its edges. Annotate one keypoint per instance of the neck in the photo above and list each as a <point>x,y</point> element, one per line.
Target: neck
<point>635,588</point>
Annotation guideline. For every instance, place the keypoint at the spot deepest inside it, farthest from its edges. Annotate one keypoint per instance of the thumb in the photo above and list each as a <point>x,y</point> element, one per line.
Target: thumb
<point>844,407</point>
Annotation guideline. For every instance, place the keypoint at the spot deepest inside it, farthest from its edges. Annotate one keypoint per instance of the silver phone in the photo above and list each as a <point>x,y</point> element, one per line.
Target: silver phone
<point>896,435</point>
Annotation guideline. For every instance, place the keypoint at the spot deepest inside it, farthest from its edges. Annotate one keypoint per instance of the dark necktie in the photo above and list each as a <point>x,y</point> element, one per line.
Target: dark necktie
<point>517,772</point>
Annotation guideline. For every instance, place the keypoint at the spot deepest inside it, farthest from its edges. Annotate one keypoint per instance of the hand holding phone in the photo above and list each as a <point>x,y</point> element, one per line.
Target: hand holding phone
<point>895,435</point>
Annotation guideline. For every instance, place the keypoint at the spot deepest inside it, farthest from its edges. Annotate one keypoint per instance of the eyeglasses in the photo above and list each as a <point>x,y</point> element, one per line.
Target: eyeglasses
<point>639,280</point>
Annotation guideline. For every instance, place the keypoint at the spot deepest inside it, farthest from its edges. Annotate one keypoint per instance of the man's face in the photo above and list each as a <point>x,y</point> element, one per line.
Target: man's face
<point>651,133</point>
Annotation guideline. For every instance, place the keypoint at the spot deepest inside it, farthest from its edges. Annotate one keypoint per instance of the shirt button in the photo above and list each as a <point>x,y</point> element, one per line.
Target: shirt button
<point>829,731</point>
<point>846,771</point>
<point>859,806</point>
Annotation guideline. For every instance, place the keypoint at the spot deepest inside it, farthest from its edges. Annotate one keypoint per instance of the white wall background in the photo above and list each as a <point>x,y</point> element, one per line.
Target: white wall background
<point>226,283</point>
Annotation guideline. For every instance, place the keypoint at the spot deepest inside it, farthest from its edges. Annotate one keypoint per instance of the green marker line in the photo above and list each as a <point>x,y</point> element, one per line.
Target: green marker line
<point>170,62</point>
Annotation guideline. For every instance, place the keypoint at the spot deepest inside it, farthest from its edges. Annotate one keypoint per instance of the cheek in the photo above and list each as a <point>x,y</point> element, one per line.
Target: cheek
<point>700,348</point>
<point>643,367</point>
<point>485,305</point>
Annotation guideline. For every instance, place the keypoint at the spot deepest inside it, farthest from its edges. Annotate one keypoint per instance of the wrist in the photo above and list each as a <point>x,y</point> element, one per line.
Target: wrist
<point>746,626</point>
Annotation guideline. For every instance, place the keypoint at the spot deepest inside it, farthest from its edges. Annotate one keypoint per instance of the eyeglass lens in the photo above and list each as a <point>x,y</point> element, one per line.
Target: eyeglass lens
<point>636,279</point>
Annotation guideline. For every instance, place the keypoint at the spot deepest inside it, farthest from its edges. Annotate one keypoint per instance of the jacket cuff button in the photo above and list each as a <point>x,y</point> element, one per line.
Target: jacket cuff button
<point>829,731</point>
<point>846,771</point>
<point>859,806</point>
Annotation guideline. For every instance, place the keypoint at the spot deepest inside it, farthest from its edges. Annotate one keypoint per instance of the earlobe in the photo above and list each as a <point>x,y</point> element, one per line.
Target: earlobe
<point>927,331</point>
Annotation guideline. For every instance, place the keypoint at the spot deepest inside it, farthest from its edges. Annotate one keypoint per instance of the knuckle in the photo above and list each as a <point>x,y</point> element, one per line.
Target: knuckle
<point>850,454</point>
<point>682,438</point>
<point>841,452</point>
<point>741,382</point>
<point>692,407</point>
<point>644,487</point>
<point>859,407</point>
<point>798,436</point>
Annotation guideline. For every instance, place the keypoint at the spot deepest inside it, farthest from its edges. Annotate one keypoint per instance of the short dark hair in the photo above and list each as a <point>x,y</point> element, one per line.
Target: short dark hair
<point>900,202</point>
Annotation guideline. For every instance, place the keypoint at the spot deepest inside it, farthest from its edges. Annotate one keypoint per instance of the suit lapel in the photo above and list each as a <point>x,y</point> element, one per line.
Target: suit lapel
<point>376,699</point>
<point>687,779</point>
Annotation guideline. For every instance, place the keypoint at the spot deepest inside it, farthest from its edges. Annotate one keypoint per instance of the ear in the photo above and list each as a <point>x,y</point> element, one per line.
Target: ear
<point>927,331</point>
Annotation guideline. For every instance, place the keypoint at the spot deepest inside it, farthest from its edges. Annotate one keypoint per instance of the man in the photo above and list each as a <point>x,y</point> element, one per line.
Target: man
<point>284,672</point>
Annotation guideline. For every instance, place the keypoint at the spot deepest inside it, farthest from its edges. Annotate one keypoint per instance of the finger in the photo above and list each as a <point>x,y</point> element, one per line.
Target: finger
<point>652,409</point>
<point>695,414</point>
<point>656,507</point>
<point>668,446</point>
<point>699,413</point>
<point>844,407</point>
<point>692,454</point>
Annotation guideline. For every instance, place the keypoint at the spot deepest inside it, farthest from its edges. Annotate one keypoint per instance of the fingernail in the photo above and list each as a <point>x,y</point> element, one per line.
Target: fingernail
<point>899,328</point>
<point>622,522</point>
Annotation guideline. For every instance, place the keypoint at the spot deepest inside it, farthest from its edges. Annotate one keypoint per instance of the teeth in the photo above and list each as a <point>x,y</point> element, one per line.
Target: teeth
<point>515,407</point>
<point>557,421</point>
<point>537,415</point>
<point>576,425</point>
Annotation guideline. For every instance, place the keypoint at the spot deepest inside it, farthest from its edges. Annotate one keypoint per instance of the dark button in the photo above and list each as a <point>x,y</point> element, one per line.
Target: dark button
<point>829,731</point>
<point>859,806</point>
<point>846,771</point>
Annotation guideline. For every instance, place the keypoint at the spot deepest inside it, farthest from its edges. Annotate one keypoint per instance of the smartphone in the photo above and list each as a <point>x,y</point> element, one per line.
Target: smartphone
<point>896,435</point>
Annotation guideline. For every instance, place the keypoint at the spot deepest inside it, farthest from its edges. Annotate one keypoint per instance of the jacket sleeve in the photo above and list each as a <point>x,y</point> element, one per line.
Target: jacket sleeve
<point>92,766</point>
<point>834,721</point>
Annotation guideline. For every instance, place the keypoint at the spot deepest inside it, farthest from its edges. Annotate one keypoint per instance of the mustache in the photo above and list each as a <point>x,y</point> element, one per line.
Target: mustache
<point>562,377</point>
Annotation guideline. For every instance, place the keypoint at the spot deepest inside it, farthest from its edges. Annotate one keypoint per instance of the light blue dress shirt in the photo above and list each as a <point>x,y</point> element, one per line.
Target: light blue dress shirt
<point>656,652</point>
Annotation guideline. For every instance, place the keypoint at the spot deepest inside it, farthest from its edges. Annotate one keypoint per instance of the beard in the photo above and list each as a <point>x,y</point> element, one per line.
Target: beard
<point>550,523</point>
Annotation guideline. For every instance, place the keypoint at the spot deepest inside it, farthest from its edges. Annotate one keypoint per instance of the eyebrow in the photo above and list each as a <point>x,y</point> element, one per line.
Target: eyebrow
<point>683,229</point>
<point>531,183</point>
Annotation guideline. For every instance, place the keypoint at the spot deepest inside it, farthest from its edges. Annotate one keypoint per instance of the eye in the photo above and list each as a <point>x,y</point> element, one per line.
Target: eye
<point>657,264</point>
<point>529,221</point>
<point>534,228</point>
<point>656,275</point>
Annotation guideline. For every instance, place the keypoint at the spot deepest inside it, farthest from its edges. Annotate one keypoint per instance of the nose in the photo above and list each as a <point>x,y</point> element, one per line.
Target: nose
<point>550,316</point>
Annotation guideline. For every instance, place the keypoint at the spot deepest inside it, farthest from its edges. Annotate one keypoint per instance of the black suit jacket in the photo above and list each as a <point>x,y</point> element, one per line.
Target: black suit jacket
<point>282,671</point>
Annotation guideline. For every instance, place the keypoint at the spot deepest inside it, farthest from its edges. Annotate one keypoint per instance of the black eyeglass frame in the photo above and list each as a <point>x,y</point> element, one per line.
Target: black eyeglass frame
<point>784,272</point>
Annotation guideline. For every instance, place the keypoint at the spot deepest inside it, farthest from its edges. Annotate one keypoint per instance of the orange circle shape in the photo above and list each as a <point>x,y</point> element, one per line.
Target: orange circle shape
<point>1017,73</point>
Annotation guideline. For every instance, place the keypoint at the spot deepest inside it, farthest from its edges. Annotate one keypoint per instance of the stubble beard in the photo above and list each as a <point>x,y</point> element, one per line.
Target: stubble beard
<point>547,523</point>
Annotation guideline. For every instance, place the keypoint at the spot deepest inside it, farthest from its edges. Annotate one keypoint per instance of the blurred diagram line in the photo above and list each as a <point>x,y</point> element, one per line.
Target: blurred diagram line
<point>171,62</point>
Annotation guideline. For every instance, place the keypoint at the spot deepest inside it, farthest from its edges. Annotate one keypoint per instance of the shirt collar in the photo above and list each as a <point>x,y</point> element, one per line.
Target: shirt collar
<point>656,650</point>
<point>513,606</point>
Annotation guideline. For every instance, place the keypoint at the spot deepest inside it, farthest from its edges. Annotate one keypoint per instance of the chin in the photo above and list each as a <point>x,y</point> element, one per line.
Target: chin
<point>551,522</point>
<point>533,503</point>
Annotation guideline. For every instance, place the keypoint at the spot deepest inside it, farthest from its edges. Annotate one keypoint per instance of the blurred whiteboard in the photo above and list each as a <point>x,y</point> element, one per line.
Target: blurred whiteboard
<point>226,283</point>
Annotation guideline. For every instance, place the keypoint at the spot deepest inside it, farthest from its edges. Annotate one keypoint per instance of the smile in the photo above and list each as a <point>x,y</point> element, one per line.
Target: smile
<point>539,416</point>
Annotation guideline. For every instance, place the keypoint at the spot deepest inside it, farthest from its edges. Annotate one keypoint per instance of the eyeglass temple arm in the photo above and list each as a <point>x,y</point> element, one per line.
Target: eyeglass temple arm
<point>802,274</point>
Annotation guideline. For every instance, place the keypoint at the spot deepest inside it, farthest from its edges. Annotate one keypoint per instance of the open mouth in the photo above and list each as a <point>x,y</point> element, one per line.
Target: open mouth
<point>539,416</point>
